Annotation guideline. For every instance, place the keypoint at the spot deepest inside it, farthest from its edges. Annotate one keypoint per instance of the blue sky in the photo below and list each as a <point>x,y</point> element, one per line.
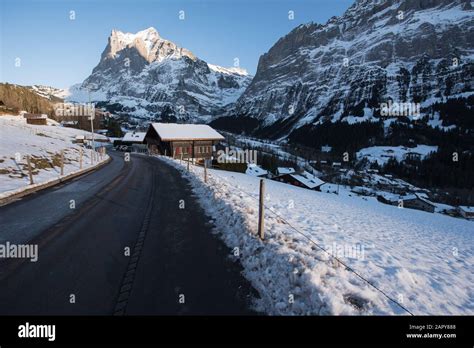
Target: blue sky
<point>57,51</point>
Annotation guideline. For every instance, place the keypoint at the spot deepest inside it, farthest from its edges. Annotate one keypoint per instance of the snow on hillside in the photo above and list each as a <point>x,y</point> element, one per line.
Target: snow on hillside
<point>381,154</point>
<point>421,260</point>
<point>43,144</point>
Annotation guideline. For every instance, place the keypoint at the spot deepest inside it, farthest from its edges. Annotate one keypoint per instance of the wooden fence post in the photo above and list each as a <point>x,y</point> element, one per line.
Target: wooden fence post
<point>29,169</point>
<point>62,162</point>
<point>205,171</point>
<point>188,164</point>
<point>80,158</point>
<point>261,211</point>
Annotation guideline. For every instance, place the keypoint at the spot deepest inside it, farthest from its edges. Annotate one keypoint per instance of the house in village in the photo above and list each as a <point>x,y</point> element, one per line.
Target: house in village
<point>36,119</point>
<point>131,138</point>
<point>300,178</point>
<point>182,140</point>
<point>412,201</point>
<point>466,212</point>
<point>285,170</point>
<point>255,170</point>
<point>419,202</point>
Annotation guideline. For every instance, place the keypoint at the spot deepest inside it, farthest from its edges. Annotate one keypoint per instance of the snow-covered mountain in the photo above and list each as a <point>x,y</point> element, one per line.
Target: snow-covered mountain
<point>147,76</point>
<point>52,93</point>
<point>410,51</point>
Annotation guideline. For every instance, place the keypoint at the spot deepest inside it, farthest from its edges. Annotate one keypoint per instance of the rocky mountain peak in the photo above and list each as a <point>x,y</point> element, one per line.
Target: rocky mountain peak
<point>152,77</point>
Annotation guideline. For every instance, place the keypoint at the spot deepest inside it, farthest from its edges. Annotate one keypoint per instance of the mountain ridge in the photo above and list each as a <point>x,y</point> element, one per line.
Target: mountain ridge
<point>152,78</point>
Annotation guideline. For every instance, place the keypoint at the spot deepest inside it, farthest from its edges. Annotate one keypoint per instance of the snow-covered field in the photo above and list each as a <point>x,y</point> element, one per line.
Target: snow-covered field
<point>421,260</point>
<point>43,144</point>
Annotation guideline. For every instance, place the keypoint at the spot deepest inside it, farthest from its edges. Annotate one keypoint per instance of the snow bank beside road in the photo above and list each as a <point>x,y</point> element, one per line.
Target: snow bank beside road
<point>422,260</point>
<point>43,144</point>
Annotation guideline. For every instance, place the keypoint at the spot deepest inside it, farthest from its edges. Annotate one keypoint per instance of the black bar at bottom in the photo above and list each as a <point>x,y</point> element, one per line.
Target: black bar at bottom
<point>290,330</point>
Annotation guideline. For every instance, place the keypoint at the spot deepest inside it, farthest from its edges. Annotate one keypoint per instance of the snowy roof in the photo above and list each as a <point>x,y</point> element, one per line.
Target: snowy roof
<point>34,116</point>
<point>175,131</point>
<point>466,208</point>
<point>134,136</point>
<point>307,179</point>
<point>253,169</point>
<point>389,196</point>
<point>415,196</point>
<point>285,170</point>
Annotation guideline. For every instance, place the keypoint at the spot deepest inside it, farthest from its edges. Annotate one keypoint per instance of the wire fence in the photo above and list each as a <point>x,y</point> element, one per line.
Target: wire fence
<point>306,236</point>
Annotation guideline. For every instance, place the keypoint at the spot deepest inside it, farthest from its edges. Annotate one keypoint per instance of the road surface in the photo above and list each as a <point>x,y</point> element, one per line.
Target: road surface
<point>175,265</point>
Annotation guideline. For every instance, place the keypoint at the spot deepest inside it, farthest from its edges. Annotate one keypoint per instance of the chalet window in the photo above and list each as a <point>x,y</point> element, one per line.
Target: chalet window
<point>185,150</point>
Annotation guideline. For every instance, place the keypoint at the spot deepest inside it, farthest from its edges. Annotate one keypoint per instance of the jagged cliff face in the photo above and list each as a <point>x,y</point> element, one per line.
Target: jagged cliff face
<point>151,77</point>
<point>416,51</point>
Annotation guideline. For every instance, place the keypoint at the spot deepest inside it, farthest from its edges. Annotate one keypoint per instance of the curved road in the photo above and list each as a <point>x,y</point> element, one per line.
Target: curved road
<point>175,265</point>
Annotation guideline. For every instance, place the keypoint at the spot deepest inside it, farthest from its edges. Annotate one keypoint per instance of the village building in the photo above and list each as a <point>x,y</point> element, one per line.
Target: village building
<point>285,170</point>
<point>301,179</point>
<point>418,202</point>
<point>36,119</point>
<point>412,156</point>
<point>326,148</point>
<point>131,138</point>
<point>182,140</point>
<point>255,170</point>
<point>466,212</point>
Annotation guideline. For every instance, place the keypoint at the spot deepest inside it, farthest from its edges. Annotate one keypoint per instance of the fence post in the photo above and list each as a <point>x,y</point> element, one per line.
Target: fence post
<point>80,158</point>
<point>205,171</point>
<point>29,169</point>
<point>261,211</point>
<point>62,162</point>
<point>188,164</point>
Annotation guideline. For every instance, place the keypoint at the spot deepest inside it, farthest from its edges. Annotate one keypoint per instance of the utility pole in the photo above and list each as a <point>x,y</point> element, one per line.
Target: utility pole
<point>92,116</point>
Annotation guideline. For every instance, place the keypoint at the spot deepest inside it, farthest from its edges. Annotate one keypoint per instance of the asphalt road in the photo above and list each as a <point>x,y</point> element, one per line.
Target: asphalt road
<point>175,265</point>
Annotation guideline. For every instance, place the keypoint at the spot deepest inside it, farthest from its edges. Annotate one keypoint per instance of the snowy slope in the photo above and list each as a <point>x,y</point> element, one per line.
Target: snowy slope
<point>421,260</point>
<point>43,144</point>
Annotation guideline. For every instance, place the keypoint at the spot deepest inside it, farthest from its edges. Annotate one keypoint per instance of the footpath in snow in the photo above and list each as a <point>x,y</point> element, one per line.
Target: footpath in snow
<point>44,145</point>
<point>423,261</point>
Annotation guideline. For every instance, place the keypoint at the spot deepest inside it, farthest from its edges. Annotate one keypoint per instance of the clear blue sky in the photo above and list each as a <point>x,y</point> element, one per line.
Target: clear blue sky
<point>59,52</point>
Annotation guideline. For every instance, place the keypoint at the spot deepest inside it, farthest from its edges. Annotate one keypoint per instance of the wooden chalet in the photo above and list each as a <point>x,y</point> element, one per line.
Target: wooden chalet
<point>300,178</point>
<point>182,140</point>
<point>37,119</point>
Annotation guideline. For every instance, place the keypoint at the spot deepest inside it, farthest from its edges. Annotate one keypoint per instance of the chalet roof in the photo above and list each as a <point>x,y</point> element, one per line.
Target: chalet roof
<point>255,170</point>
<point>34,116</point>
<point>175,131</point>
<point>134,136</point>
<point>415,196</point>
<point>285,170</point>
<point>466,208</point>
<point>307,179</point>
